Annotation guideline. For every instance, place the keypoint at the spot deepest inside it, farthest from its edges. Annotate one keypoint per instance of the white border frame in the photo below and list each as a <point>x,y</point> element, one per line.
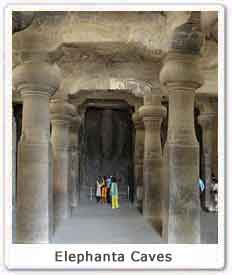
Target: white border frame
<point>17,255</point>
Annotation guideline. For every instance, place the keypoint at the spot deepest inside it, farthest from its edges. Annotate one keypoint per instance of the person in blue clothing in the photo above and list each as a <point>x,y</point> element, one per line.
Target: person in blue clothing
<point>114,193</point>
<point>201,185</point>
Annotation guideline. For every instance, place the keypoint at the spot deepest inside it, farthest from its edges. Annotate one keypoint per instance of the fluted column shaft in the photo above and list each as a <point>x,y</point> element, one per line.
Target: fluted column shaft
<point>152,113</point>
<point>36,82</point>
<point>138,159</point>
<point>61,115</point>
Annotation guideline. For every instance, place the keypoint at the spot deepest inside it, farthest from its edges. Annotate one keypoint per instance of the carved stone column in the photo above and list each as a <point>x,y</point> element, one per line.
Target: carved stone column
<point>74,160</point>
<point>14,144</point>
<point>206,120</point>
<point>36,81</point>
<point>152,113</point>
<point>61,116</point>
<point>138,159</point>
<point>181,76</point>
<point>215,139</point>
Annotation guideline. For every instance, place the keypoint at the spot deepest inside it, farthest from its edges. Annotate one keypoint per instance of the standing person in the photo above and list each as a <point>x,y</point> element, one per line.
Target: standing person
<point>108,184</point>
<point>114,193</point>
<point>98,189</point>
<point>201,186</point>
<point>214,194</point>
<point>104,191</point>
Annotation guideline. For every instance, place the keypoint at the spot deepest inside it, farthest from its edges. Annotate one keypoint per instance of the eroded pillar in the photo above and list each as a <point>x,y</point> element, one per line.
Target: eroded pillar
<point>61,116</point>
<point>14,144</point>
<point>181,76</point>
<point>152,113</point>
<point>74,160</point>
<point>138,159</point>
<point>215,140</point>
<point>206,119</point>
<point>36,81</point>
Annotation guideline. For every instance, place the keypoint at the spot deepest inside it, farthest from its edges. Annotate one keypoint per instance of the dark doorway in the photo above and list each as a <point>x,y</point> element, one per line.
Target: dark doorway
<point>107,148</point>
<point>17,112</point>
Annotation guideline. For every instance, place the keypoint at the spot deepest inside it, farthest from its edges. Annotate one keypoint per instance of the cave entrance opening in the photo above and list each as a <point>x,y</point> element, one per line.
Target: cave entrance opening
<point>106,148</point>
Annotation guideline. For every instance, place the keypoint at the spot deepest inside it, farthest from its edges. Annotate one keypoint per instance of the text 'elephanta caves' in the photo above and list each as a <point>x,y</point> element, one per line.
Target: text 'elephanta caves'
<point>88,257</point>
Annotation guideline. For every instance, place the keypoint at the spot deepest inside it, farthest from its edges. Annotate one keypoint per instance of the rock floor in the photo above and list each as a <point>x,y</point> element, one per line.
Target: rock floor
<point>96,223</point>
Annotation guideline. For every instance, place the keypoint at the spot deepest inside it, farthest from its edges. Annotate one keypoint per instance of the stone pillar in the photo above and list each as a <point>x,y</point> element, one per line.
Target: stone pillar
<point>61,115</point>
<point>14,138</point>
<point>152,113</point>
<point>165,189</point>
<point>36,81</point>
<point>215,141</point>
<point>206,120</point>
<point>181,77</point>
<point>74,161</point>
<point>138,159</point>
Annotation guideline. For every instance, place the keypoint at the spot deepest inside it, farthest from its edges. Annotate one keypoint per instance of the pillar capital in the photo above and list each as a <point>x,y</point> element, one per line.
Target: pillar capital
<point>187,38</point>
<point>75,122</point>
<point>206,120</point>
<point>137,119</point>
<point>152,113</point>
<point>39,78</point>
<point>181,72</point>
<point>152,99</point>
<point>62,112</point>
<point>207,103</point>
<point>152,109</point>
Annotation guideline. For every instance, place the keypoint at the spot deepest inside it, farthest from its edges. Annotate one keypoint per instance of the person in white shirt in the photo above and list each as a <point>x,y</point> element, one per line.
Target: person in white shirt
<point>98,189</point>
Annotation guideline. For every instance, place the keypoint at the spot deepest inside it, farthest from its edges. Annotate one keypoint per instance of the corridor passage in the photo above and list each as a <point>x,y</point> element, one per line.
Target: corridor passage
<point>97,223</point>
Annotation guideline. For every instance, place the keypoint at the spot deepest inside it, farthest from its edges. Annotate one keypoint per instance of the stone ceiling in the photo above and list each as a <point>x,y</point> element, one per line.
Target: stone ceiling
<point>148,29</point>
<point>96,49</point>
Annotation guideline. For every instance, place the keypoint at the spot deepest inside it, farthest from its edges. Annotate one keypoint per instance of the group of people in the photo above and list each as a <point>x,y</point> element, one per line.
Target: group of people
<point>213,191</point>
<point>107,191</point>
